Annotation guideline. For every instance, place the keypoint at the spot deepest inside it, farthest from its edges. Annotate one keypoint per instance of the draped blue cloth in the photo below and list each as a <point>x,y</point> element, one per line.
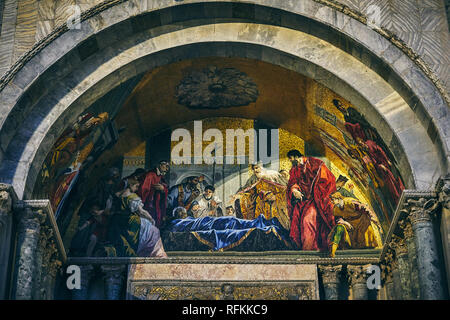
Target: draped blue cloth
<point>221,233</point>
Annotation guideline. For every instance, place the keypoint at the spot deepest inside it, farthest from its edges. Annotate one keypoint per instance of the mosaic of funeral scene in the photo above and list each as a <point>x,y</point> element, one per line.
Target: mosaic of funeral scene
<point>116,191</point>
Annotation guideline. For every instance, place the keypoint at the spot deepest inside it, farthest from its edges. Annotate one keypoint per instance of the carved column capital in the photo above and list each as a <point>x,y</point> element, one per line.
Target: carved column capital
<point>330,273</point>
<point>420,209</point>
<point>358,274</point>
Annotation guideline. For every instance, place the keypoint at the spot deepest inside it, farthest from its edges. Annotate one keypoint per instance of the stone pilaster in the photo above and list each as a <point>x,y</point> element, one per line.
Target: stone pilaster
<point>358,281</point>
<point>86,273</point>
<point>331,281</point>
<point>29,226</point>
<point>6,222</point>
<point>49,263</point>
<point>114,277</point>
<point>401,253</point>
<point>421,212</point>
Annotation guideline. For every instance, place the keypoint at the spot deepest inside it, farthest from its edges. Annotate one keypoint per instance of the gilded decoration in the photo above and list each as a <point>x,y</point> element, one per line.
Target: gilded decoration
<point>225,291</point>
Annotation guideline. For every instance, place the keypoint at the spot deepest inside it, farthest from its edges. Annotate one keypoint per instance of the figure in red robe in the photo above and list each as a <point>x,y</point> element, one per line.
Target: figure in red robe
<point>308,196</point>
<point>154,190</point>
<point>383,165</point>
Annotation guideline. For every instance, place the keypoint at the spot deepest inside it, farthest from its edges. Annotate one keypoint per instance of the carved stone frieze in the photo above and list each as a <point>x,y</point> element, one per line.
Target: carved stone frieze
<point>224,291</point>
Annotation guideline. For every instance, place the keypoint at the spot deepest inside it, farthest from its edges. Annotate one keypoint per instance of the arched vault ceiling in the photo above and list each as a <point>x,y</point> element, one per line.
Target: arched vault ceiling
<point>286,100</point>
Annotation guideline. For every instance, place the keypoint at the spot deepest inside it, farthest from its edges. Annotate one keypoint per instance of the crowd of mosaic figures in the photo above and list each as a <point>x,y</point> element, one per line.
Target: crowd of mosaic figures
<point>124,216</point>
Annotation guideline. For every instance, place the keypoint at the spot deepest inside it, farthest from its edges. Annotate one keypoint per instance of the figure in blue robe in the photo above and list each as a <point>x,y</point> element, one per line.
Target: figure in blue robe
<point>182,195</point>
<point>222,233</point>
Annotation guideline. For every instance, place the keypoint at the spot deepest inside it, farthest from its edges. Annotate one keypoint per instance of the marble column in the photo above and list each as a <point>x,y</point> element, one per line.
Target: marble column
<point>401,253</point>
<point>87,272</point>
<point>444,200</point>
<point>421,213</point>
<point>28,234</point>
<point>114,277</point>
<point>358,281</point>
<point>6,222</point>
<point>331,281</point>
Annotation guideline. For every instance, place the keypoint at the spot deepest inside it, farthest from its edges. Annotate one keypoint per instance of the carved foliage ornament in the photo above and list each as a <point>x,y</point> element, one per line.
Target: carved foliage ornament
<point>215,292</point>
<point>444,194</point>
<point>399,245</point>
<point>358,274</point>
<point>213,88</point>
<point>330,274</point>
<point>420,210</point>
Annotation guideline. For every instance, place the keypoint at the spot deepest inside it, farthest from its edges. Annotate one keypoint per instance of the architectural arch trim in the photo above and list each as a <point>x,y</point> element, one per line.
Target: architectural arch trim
<point>18,89</point>
<point>99,75</point>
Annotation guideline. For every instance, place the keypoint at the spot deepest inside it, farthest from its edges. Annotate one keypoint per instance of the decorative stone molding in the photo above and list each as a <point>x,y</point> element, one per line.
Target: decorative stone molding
<point>98,9</point>
<point>214,290</point>
<point>235,258</point>
<point>37,159</point>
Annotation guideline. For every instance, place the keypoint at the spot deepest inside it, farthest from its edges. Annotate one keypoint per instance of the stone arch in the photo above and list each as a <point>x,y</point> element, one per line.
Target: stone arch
<point>43,96</point>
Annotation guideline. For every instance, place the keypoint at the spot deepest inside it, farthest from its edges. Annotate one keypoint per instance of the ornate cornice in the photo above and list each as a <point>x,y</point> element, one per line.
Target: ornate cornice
<point>229,260</point>
<point>394,39</point>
